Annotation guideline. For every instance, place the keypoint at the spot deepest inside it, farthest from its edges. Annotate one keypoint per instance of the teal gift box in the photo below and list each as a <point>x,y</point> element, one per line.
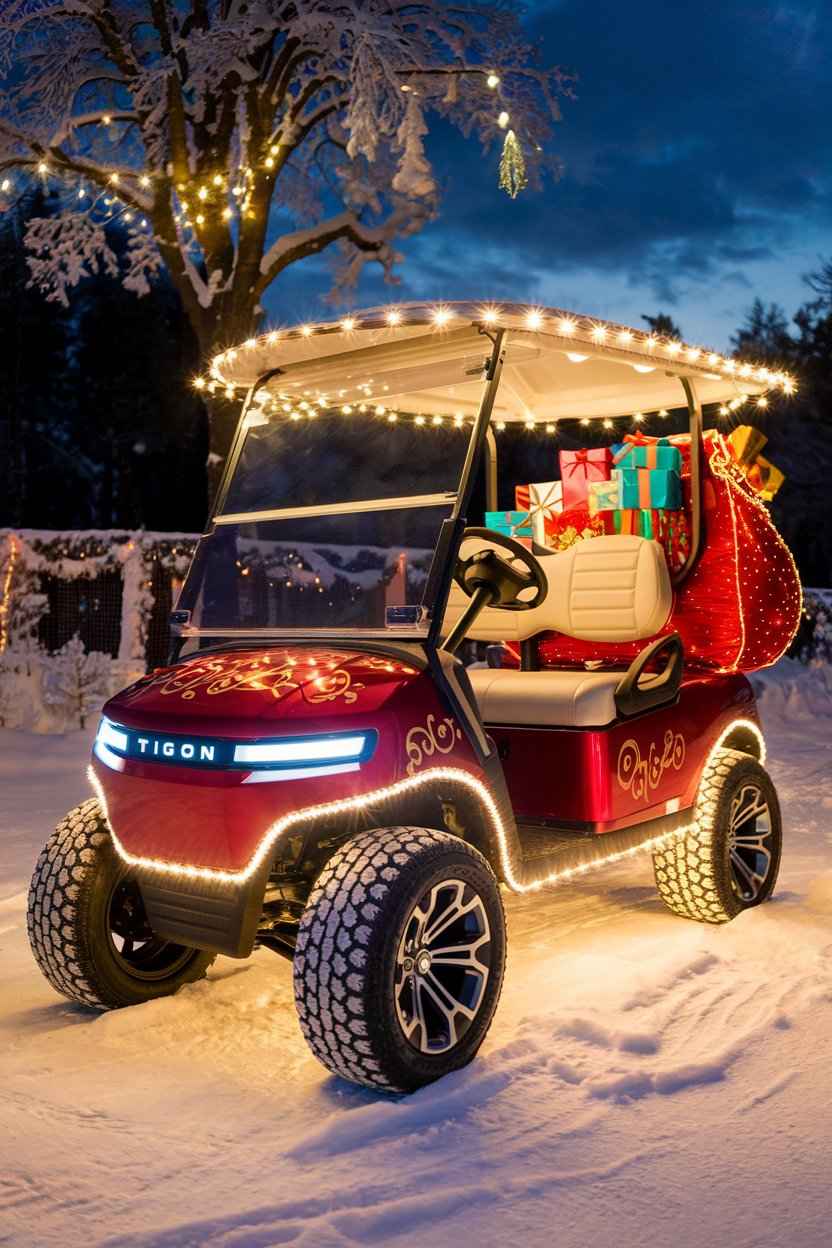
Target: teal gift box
<point>659,454</point>
<point>646,488</point>
<point>509,523</point>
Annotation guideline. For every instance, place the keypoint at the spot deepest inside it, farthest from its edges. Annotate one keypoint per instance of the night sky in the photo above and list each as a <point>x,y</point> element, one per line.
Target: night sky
<point>697,174</point>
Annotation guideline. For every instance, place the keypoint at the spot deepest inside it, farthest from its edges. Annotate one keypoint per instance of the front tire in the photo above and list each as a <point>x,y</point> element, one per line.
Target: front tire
<point>87,926</point>
<point>400,957</point>
<point>728,861</point>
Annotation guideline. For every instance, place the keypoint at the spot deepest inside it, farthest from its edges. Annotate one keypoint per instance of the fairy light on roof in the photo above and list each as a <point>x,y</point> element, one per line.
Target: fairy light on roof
<point>582,330</point>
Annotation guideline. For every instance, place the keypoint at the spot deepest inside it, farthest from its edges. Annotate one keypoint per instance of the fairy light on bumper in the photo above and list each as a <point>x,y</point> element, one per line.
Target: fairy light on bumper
<point>278,759</point>
<point>510,871</point>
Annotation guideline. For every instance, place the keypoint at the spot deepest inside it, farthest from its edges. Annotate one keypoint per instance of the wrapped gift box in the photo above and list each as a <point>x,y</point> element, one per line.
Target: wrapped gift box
<point>646,488</point>
<point>575,524</point>
<point>542,500</point>
<point>634,452</point>
<point>674,535</point>
<point>603,496</point>
<point>765,478</point>
<point>671,529</point>
<point>746,442</point>
<point>578,468</point>
<point>509,523</point>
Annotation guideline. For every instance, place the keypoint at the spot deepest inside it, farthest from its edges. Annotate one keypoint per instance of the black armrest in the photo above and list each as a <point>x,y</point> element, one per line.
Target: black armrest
<point>638,691</point>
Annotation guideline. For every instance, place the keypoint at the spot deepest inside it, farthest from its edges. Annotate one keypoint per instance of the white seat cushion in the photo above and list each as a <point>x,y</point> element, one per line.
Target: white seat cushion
<point>554,699</point>
<point>611,588</point>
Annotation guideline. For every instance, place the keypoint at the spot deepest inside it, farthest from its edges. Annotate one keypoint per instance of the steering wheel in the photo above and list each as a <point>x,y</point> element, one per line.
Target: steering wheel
<point>487,570</point>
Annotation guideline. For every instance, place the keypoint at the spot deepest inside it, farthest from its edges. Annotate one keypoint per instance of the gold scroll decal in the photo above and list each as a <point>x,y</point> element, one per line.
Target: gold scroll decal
<point>245,675</point>
<point>425,740</point>
<point>641,775</point>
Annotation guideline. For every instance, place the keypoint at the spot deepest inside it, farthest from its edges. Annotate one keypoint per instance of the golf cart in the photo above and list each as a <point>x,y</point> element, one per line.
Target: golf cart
<point>318,772</point>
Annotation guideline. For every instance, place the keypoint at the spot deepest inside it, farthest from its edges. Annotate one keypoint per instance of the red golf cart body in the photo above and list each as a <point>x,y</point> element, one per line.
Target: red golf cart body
<point>210,838</point>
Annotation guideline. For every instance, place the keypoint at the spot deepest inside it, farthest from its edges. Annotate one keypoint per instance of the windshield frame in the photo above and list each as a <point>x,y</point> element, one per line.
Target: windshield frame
<point>437,585</point>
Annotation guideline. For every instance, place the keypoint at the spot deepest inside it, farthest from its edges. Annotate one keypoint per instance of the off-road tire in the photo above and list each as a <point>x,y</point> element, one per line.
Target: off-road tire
<point>347,946</point>
<point>67,919</point>
<point>693,872</point>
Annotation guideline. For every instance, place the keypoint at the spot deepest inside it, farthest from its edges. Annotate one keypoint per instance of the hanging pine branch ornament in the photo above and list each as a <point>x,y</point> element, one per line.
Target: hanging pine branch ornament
<point>512,166</point>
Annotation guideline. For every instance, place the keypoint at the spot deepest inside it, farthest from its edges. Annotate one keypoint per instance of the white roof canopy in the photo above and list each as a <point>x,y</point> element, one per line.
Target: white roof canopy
<point>557,364</point>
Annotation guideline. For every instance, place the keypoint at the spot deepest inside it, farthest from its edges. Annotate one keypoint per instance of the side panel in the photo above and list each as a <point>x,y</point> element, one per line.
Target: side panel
<point>603,779</point>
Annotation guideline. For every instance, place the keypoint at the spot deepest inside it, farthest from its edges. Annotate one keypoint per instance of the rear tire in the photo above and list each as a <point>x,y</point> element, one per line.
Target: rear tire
<point>87,927</point>
<point>400,957</point>
<point>729,860</point>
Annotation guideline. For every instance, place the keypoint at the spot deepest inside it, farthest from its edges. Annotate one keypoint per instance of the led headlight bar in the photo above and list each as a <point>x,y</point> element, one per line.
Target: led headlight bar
<point>278,759</point>
<point>111,736</point>
<point>341,748</point>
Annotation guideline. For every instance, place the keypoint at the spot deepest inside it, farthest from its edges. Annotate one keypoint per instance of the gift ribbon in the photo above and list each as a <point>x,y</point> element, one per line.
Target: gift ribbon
<point>581,459</point>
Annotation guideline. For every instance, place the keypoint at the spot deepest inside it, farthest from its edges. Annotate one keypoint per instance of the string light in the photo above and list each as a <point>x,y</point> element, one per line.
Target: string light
<point>5,597</point>
<point>567,325</point>
<point>511,870</point>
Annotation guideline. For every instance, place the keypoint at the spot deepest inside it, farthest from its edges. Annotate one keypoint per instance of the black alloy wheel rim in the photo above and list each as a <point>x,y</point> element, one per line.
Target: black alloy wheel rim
<point>750,842</point>
<point>133,943</point>
<point>443,964</point>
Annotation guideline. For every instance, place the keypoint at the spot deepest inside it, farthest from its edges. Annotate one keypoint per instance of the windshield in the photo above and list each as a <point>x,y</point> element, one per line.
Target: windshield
<point>332,514</point>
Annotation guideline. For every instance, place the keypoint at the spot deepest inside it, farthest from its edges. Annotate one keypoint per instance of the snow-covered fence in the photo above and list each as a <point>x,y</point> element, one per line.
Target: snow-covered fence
<point>66,597</point>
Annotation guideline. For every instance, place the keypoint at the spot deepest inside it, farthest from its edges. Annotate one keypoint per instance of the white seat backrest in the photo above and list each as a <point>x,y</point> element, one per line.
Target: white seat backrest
<point>611,588</point>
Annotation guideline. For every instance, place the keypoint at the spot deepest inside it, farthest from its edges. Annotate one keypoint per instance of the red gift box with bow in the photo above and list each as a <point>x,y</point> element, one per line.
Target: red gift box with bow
<point>578,468</point>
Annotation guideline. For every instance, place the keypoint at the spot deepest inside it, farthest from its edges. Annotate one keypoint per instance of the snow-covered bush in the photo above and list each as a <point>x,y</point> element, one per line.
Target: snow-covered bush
<point>813,643</point>
<point>76,682</point>
<point>8,686</point>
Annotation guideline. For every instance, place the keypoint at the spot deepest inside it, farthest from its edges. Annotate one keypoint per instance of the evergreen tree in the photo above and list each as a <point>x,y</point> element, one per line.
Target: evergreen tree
<point>765,335</point>
<point>663,326</point>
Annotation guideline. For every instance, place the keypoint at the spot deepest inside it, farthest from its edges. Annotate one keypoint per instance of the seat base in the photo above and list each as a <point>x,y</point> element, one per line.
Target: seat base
<point>553,699</point>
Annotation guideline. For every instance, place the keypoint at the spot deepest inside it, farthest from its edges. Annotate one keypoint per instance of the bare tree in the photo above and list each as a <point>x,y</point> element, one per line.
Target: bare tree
<point>234,138</point>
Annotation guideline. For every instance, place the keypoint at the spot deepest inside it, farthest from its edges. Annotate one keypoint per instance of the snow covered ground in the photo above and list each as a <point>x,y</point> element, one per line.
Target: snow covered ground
<point>647,1080</point>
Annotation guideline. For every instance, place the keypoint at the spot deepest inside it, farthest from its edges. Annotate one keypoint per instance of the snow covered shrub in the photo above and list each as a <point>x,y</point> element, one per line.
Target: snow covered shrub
<point>75,682</point>
<point>813,641</point>
<point>8,689</point>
